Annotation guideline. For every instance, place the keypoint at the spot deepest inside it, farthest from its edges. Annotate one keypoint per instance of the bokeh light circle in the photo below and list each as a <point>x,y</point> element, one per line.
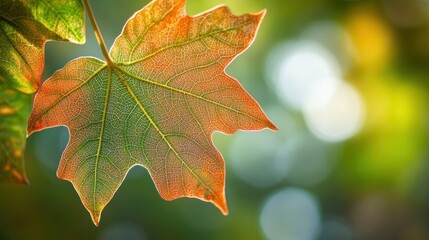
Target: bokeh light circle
<point>303,73</point>
<point>290,214</point>
<point>339,118</point>
<point>253,158</point>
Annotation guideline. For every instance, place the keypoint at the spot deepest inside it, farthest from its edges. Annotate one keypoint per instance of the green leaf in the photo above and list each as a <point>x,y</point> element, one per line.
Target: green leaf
<point>25,26</point>
<point>64,18</point>
<point>14,110</point>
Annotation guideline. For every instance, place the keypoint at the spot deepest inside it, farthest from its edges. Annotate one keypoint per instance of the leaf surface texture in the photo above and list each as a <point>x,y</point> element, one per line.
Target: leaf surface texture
<point>156,106</point>
<point>25,26</point>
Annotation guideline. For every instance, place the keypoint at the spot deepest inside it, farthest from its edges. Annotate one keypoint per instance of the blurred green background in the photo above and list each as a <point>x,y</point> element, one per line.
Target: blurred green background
<point>347,84</point>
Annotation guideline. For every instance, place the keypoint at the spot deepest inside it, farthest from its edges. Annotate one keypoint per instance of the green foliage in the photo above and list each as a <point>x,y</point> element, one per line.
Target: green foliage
<point>25,26</point>
<point>15,107</point>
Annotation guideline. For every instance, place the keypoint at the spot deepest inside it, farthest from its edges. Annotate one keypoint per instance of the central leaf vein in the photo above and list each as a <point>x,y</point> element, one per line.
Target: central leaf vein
<point>153,123</point>
<point>100,142</point>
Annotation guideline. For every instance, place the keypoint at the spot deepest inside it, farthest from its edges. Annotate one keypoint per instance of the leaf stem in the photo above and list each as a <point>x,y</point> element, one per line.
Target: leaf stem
<point>98,34</point>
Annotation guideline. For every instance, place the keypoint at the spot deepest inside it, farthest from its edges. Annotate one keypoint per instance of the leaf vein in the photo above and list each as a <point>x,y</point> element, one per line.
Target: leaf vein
<point>186,42</point>
<point>190,94</point>
<point>143,109</point>
<point>103,125</point>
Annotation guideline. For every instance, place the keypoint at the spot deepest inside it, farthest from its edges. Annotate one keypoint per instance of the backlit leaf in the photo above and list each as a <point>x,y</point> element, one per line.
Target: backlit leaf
<point>25,26</point>
<point>156,106</point>
<point>15,107</point>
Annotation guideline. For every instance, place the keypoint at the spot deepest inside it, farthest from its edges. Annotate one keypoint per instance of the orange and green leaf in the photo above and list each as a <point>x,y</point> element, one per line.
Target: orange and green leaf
<point>25,26</point>
<point>156,105</point>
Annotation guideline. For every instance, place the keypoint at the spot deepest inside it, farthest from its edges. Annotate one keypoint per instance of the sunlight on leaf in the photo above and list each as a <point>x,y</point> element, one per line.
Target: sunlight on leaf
<point>14,110</point>
<point>156,105</point>
<point>25,26</point>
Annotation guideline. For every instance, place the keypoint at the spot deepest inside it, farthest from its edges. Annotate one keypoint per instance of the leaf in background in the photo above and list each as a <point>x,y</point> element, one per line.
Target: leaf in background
<point>25,26</point>
<point>15,107</point>
<point>156,106</point>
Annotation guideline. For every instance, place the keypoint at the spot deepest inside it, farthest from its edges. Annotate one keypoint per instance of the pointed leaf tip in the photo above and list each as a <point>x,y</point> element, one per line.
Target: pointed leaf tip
<point>272,126</point>
<point>95,219</point>
<point>147,111</point>
<point>222,205</point>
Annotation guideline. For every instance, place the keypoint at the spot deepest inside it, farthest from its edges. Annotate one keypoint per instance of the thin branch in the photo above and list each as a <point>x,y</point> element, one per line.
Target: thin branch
<point>98,34</point>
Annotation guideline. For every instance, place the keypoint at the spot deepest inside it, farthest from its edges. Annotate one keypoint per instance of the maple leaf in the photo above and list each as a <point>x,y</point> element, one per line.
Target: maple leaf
<point>155,103</point>
<point>25,26</point>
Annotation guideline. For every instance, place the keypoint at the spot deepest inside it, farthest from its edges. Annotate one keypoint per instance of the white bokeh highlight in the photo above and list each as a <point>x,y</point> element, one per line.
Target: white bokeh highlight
<point>303,73</point>
<point>290,214</point>
<point>306,76</point>
<point>339,118</point>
